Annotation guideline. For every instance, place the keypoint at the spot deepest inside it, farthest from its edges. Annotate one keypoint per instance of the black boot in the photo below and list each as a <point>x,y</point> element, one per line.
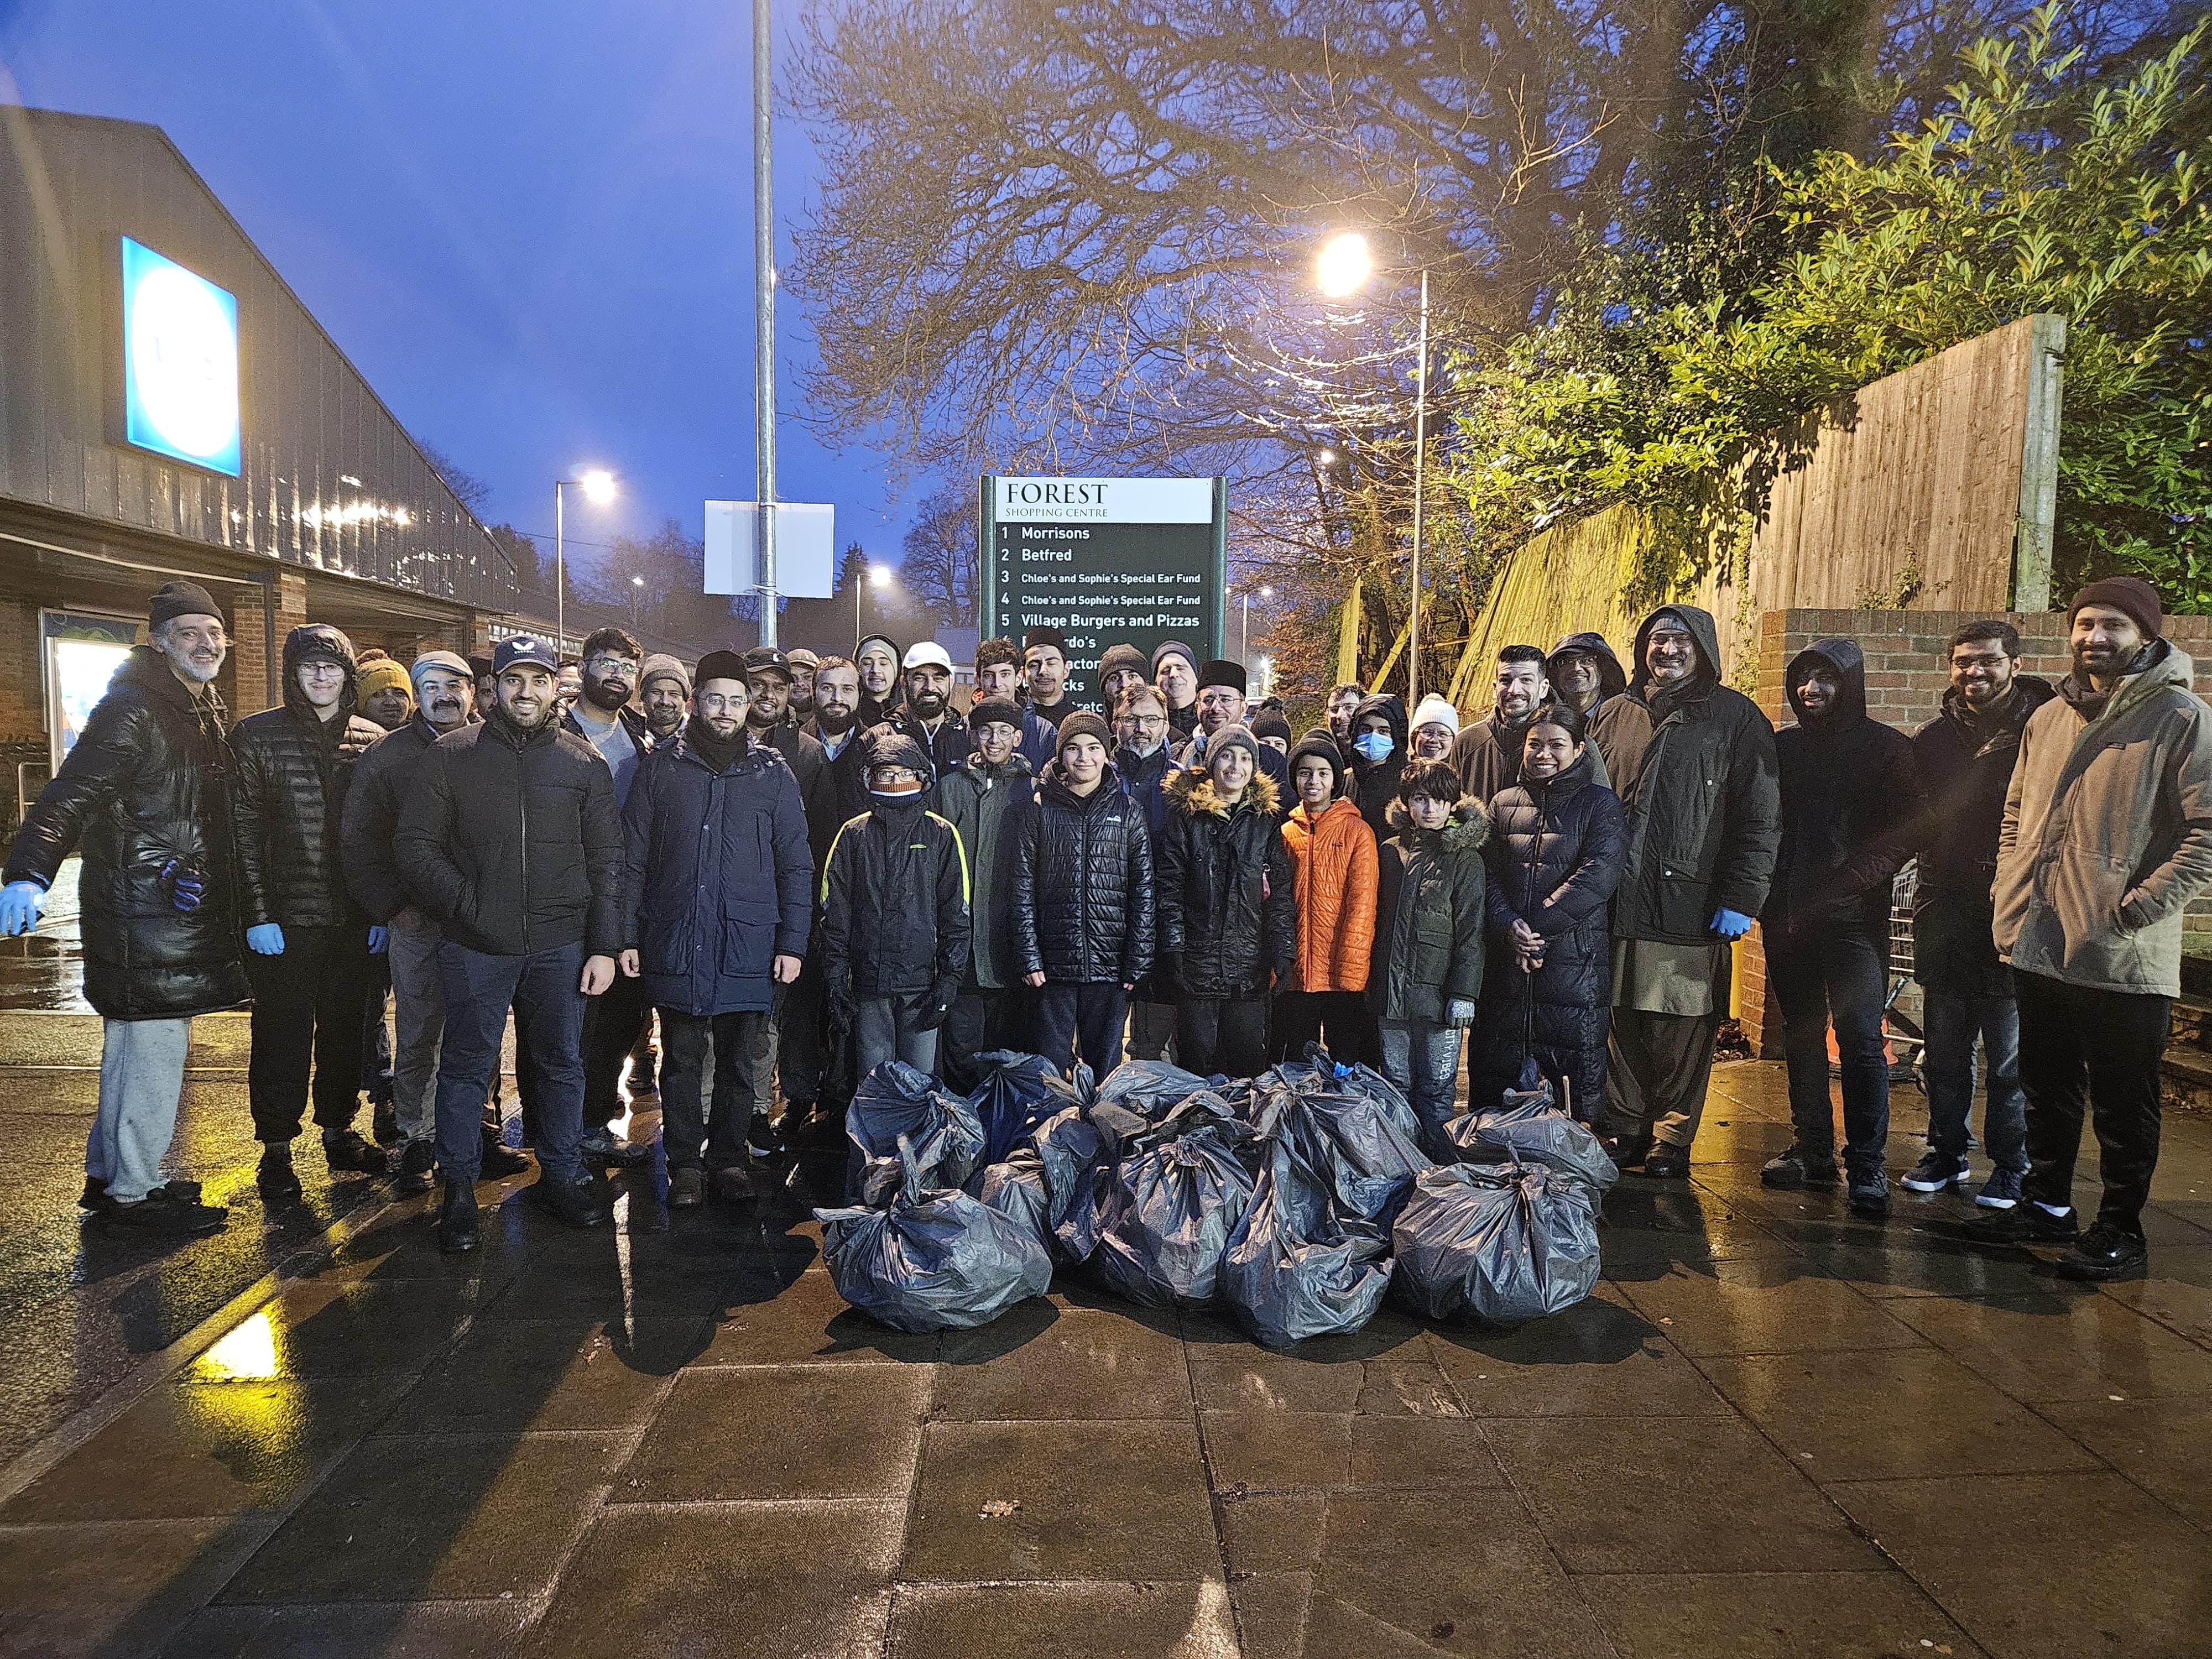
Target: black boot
<point>457,1220</point>
<point>346,1149</point>
<point>573,1207</point>
<point>499,1160</point>
<point>275,1178</point>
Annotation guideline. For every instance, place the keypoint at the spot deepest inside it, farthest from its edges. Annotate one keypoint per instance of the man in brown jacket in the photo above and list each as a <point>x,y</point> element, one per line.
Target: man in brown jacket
<point>2107,835</point>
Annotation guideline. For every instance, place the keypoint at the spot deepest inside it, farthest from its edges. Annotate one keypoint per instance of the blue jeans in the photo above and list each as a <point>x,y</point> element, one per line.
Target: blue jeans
<point>548,1002</point>
<point>1423,1060</point>
<point>1081,1020</point>
<point>1954,1021</point>
<point>1836,976</point>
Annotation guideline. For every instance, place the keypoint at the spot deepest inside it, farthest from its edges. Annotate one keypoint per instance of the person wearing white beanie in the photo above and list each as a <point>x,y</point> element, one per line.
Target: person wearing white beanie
<point>1436,724</point>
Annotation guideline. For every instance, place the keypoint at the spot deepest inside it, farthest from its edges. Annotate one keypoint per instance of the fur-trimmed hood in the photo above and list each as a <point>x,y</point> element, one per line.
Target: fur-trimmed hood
<point>1191,789</point>
<point>1465,831</point>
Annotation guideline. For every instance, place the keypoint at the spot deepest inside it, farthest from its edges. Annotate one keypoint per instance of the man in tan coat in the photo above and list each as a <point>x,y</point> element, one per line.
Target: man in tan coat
<point>2107,835</point>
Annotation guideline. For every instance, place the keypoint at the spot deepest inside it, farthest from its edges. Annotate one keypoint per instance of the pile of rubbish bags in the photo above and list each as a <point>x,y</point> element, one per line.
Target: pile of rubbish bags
<point>1297,1200</point>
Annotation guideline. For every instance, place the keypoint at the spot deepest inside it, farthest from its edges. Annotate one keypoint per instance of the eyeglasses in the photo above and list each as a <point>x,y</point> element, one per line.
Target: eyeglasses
<point>897,774</point>
<point>1146,722</point>
<point>611,665</point>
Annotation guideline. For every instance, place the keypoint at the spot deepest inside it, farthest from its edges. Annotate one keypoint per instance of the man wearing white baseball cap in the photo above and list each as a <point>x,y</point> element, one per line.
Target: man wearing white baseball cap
<point>927,717</point>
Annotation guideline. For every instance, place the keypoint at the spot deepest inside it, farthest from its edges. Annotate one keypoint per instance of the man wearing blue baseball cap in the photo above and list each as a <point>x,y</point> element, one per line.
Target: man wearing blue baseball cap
<point>511,840</point>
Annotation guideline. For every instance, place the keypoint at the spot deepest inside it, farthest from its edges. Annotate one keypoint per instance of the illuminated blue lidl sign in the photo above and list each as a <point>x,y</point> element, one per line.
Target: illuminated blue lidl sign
<point>179,361</point>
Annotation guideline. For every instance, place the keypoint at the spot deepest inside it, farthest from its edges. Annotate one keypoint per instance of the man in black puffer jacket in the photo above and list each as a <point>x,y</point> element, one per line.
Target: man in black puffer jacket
<point>1083,899</point>
<point>145,795</point>
<point>510,841</point>
<point>1228,908</point>
<point>1558,840</point>
<point>1378,756</point>
<point>1850,809</point>
<point>306,940</point>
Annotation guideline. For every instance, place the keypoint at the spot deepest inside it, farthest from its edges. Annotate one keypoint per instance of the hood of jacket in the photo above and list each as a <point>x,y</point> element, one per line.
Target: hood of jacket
<point>889,746</point>
<point>1612,678</point>
<point>1703,631</point>
<point>1193,792</point>
<point>1850,663</point>
<point>1465,831</point>
<point>319,640</point>
<point>1392,708</point>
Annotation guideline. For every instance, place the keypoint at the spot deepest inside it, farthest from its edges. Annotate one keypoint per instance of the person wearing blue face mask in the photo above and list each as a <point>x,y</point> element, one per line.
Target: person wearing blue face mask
<point>1378,756</point>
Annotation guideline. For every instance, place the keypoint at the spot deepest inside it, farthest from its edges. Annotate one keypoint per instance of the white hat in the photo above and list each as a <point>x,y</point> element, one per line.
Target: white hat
<point>928,655</point>
<point>1435,711</point>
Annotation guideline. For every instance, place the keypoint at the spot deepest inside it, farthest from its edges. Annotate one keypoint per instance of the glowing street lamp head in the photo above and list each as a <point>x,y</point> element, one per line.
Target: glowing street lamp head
<point>637,581</point>
<point>1266,593</point>
<point>880,575</point>
<point>1345,266</point>
<point>597,485</point>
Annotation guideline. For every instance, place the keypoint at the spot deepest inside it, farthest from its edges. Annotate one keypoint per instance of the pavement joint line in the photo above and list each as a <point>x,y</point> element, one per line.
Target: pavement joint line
<point>74,1431</point>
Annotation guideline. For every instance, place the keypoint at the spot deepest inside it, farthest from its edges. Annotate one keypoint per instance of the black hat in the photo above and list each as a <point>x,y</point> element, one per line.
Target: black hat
<point>1218,673</point>
<point>523,649</point>
<point>318,642</point>
<point>1320,746</point>
<point>175,599</point>
<point>766,659</point>
<point>1272,725</point>
<point>1123,658</point>
<point>1082,724</point>
<point>988,709</point>
<point>1042,635</point>
<point>721,665</point>
<point>480,663</point>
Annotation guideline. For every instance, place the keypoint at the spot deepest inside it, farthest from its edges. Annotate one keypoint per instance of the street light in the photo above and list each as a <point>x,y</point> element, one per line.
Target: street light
<point>1343,268</point>
<point>636,588</point>
<point>599,487</point>
<point>880,575</point>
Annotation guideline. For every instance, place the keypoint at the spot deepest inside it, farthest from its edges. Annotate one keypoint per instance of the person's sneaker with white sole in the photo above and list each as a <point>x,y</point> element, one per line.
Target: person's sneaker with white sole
<point>2002,1191</point>
<point>1936,1172</point>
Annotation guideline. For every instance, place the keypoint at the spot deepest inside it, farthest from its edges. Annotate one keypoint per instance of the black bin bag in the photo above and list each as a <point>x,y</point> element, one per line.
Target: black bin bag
<point>1171,1204</point>
<point>896,1103</point>
<point>1018,1092</point>
<point>1015,1188</point>
<point>1290,1270</point>
<point>1149,1088</point>
<point>1527,1125</point>
<point>1497,1244</point>
<point>1079,1148</point>
<point>932,1259</point>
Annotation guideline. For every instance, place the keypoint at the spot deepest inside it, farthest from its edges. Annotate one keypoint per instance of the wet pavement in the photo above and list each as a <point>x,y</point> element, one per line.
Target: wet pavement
<point>1775,1431</point>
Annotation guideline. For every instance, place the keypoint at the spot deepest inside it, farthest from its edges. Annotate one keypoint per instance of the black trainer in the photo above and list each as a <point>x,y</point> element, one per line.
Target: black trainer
<point>1796,1168</point>
<point>163,1211</point>
<point>763,1140</point>
<point>416,1160</point>
<point>2103,1252</point>
<point>275,1178</point>
<point>345,1149</point>
<point>2024,1223</point>
<point>1869,1195</point>
<point>457,1220</point>
<point>1665,1162</point>
<point>571,1205</point>
<point>1937,1172</point>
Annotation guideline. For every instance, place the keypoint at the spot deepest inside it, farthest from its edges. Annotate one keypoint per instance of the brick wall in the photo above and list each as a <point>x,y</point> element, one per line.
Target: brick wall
<point>256,647</point>
<point>1906,674</point>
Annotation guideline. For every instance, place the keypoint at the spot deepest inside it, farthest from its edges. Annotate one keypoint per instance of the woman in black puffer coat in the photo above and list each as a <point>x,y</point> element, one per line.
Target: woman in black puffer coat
<point>1558,845</point>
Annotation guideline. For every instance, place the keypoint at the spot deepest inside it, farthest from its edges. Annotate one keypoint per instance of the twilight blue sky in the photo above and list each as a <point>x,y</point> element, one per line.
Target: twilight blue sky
<point>530,225</point>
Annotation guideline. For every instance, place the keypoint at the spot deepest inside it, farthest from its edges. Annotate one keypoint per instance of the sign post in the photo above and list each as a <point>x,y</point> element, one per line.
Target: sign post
<point>1105,561</point>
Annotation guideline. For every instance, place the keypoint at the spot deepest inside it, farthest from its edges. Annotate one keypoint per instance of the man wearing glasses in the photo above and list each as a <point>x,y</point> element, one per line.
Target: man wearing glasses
<point>1148,755</point>
<point>613,1020</point>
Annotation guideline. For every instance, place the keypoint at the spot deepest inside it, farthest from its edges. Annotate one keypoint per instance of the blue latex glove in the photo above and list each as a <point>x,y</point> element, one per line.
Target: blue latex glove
<point>1459,1013</point>
<point>1729,924</point>
<point>186,885</point>
<point>20,905</point>
<point>267,940</point>
<point>379,938</point>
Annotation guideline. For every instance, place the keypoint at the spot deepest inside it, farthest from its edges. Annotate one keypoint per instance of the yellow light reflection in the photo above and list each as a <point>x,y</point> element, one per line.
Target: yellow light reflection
<point>248,1354</point>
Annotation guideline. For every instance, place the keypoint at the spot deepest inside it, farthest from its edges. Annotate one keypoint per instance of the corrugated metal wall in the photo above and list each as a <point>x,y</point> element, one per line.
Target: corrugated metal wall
<point>70,188</point>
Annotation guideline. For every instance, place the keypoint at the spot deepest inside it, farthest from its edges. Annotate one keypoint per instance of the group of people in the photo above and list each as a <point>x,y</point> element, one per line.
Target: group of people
<point>774,868</point>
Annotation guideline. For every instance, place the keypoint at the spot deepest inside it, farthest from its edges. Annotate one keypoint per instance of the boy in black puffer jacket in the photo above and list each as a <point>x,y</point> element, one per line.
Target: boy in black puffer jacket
<point>1427,968</point>
<point>1558,843</point>
<point>1228,906</point>
<point>1083,899</point>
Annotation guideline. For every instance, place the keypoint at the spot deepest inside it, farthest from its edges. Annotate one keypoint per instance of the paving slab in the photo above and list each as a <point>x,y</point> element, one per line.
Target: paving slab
<point>114,1589</point>
<point>808,1432</point>
<point>2072,1343</point>
<point>1599,1358</point>
<point>1065,1621</point>
<point>505,1376</point>
<point>1773,1615</point>
<point>1042,1361</point>
<point>1765,1306</point>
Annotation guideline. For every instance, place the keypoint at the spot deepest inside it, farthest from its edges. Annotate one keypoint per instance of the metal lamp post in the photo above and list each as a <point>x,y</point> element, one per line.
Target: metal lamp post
<point>880,575</point>
<point>1343,267</point>
<point>636,588</point>
<point>764,310</point>
<point>598,487</point>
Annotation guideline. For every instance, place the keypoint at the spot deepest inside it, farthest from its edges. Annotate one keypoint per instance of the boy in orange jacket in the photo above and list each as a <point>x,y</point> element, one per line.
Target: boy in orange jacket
<point>1333,855</point>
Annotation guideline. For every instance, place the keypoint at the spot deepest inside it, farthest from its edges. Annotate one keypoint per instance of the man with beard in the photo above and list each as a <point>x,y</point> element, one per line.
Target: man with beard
<point>2107,835</point>
<point>927,717</point>
<point>1698,784</point>
<point>1175,671</point>
<point>487,684</point>
<point>816,1067</point>
<point>306,941</point>
<point>803,665</point>
<point>569,687</point>
<point>1221,705</point>
<point>1965,755</point>
<point>999,674</point>
<point>1488,754</point>
<point>1851,795</point>
<point>510,841</point>
<point>716,915</point>
<point>876,658</point>
<point>1585,673</point>
<point>1045,670</point>
<point>615,1020</point>
<point>145,796</point>
<point>768,717</point>
<point>665,690</point>
<point>1342,700</point>
<point>386,698</point>
<point>1120,667</point>
<point>1147,762</point>
<point>445,697</point>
